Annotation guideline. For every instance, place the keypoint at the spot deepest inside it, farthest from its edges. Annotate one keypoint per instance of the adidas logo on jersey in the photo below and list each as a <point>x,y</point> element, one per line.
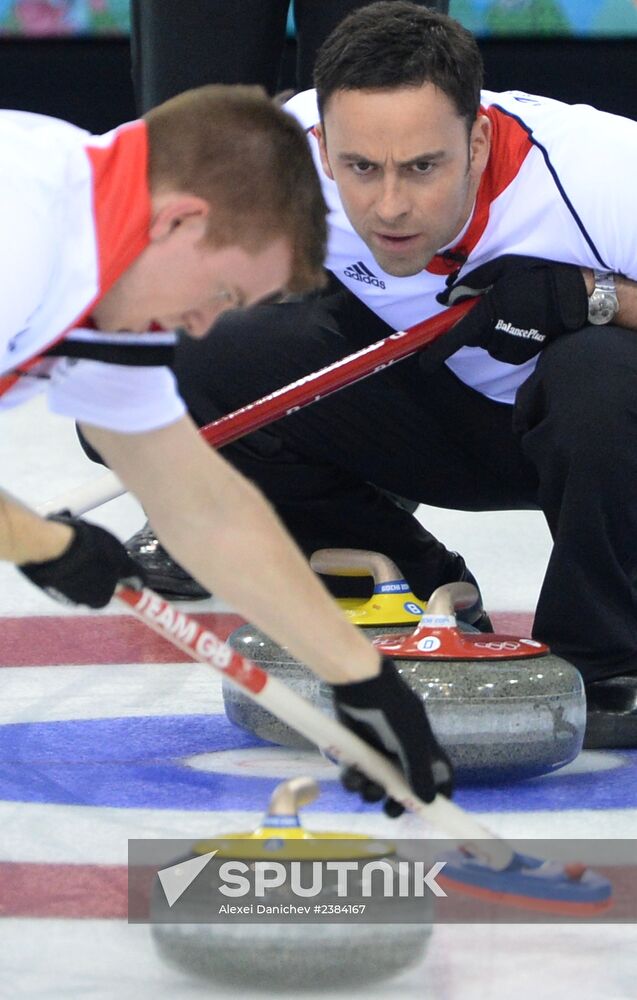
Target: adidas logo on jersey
<point>361,272</point>
<point>516,331</point>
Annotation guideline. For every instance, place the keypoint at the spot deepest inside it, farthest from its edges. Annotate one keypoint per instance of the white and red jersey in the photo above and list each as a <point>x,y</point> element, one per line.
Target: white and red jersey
<point>75,212</point>
<point>559,184</point>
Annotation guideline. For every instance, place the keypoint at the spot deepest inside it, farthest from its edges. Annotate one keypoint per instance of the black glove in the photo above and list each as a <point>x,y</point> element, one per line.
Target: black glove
<point>388,715</point>
<point>90,569</point>
<point>524,303</point>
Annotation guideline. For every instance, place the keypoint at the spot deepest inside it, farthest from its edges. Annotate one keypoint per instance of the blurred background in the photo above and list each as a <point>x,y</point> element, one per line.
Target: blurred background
<point>71,58</point>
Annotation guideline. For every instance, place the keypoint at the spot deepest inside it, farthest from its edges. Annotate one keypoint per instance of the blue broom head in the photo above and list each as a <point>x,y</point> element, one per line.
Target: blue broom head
<point>528,882</point>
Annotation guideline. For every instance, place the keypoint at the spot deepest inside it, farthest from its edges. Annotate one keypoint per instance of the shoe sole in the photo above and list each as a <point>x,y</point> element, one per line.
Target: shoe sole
<point>610,731</point>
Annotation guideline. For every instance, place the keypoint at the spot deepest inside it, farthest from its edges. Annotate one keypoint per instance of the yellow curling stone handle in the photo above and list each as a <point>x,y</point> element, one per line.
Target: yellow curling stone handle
<point>281,836</point>
<point>392,602</point>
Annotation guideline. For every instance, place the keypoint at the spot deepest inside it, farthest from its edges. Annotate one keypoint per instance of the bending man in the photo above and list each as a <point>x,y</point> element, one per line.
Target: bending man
<point>110,242</point>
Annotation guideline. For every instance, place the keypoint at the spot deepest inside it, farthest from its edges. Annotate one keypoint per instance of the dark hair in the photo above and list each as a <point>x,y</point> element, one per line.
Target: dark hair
<point>399,44</point>
<point>251,162</point>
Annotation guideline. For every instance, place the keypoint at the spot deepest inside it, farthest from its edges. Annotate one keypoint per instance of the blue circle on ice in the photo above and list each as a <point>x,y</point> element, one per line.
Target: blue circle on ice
<point>147,762</point>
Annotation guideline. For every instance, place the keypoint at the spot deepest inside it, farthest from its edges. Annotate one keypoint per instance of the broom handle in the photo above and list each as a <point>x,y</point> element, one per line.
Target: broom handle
<point>282,402</point>
<point>334,739</point>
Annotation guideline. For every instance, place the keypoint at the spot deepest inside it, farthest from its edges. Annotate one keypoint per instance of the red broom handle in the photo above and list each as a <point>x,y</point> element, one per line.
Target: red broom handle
<point>352,368</point>
<point>339,743</point>
<point>280,403</point>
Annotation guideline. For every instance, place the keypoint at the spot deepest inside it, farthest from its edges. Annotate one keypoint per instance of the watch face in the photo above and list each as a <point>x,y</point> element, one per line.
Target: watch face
<point>601,307</point>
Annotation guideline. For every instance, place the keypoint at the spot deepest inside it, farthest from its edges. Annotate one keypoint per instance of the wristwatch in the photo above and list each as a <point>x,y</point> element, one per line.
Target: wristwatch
<point>602,302</point>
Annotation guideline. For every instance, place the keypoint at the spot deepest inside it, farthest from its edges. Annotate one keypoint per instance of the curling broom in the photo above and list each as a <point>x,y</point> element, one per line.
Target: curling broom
<point>484,866</point>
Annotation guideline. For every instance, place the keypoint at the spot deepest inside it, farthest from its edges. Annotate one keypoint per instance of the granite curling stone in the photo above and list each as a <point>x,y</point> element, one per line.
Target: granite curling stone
<point>390,607</point>
<point>295,955</point>
<point>504,708</point>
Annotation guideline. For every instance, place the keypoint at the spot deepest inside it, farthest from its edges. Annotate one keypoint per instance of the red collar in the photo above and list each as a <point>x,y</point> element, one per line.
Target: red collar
<point>510,144</point>
<point>121,211</point>
<point>121,201</point>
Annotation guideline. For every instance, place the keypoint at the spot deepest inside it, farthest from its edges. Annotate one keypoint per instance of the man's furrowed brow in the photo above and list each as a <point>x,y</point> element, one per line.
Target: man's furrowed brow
<point>428,157</point>
<point>433,157</point>
<point>353,157</point>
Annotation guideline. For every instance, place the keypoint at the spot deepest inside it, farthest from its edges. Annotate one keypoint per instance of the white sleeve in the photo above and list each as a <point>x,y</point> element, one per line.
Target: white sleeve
<point>601,185</point>
<point>591,155</point>
<point>123,398</point>
<point>27,255</point>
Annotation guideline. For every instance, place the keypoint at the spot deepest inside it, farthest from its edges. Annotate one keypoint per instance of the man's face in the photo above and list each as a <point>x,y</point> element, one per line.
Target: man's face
<point>406,169</point>
<point>180,281</point>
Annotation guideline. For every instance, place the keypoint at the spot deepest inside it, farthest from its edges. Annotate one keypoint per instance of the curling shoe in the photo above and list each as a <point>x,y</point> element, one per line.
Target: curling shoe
<point>163,574</point>
<point>611,713</point>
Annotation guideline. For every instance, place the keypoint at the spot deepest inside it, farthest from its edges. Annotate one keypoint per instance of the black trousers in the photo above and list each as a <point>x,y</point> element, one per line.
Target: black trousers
<point>568,447</point>
<point>175,46</point>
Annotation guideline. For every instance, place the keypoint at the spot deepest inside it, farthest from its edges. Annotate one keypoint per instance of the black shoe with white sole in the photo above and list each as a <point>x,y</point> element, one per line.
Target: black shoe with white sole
<point>163,574</point>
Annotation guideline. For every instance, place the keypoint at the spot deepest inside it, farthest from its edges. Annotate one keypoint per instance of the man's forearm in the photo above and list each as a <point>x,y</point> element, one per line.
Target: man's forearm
<point>223,531</point>
<point>26,537</point>
<point>242,553</point>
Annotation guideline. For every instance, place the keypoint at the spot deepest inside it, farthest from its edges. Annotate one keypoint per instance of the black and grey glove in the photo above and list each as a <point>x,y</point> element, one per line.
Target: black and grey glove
<point>523,304</point>
<point>388,715</point>
<point>90,569</point>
